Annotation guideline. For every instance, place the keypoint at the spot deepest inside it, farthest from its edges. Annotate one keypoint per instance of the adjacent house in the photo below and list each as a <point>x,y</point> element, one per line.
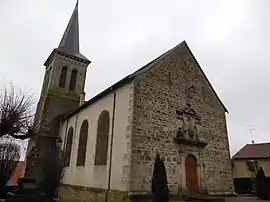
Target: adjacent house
<point>16,174</point>
<point>245,164</point>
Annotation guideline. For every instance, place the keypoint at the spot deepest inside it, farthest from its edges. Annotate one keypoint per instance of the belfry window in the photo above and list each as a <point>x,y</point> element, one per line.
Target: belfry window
<point>63,76</point>
<point>73,79</point>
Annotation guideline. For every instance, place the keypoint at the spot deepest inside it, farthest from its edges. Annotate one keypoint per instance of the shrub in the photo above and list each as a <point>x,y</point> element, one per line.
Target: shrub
<point>262,187</point>
<point>160,191</point>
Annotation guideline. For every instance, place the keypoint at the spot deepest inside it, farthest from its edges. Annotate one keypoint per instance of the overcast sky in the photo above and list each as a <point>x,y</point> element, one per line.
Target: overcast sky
<point>229,38</point>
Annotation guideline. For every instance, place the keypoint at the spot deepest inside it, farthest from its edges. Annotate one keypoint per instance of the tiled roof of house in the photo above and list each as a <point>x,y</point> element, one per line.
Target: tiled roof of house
<point>260,150</point>
<point>16,174</point>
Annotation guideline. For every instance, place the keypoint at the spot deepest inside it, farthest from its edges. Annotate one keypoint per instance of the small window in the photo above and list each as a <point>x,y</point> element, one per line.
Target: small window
<point>63,76</point>
<point>73,79</point>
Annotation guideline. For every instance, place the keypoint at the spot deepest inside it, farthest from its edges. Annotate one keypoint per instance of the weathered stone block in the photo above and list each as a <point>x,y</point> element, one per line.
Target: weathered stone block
<point>73,193</point>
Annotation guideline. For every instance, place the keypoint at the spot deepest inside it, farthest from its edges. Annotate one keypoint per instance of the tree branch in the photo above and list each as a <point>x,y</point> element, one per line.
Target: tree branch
<point>16,117</point>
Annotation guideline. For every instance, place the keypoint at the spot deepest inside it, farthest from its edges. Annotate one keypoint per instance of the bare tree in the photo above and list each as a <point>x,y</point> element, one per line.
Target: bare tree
<point>9,157</point>
<point>16,114</point>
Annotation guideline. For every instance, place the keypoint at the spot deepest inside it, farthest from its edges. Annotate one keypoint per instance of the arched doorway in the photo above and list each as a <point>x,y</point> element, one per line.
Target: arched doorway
<point>191,174</point>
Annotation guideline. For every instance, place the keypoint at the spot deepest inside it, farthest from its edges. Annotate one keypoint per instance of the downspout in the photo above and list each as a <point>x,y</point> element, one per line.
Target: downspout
<point>111,147</point>
<point>75,127</point>
<point>64,149</point>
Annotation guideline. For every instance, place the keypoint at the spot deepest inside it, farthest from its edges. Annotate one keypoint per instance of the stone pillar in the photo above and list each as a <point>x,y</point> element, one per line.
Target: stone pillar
<point>82,98</point>
<point>47,149</point>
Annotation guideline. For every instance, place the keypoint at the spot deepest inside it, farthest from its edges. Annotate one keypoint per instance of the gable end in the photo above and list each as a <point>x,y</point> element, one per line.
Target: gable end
<point>160,58</point>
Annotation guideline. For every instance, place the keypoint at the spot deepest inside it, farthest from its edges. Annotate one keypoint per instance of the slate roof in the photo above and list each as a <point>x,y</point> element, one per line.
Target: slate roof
<point>138,72</point>
<point>70,43</point>
<point>253,151</point>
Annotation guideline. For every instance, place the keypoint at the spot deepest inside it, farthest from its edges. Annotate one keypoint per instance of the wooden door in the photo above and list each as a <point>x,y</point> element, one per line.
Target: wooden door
<point>191,174</point>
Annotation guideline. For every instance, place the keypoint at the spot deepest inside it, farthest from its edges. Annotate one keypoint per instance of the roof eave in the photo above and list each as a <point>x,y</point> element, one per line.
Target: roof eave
<point>247,158</point>
<point>156,60</point>
<point>59,52</point>
<point>136,73</point>
<point>211,86</point>
<point>112,88</point>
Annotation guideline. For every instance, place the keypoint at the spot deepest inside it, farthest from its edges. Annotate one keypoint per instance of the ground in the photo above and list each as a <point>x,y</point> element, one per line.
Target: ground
<point>243,199</point>
<point>239,199</point>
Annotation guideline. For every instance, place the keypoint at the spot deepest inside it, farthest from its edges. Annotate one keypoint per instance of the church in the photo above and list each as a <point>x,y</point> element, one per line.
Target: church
<point>110,142</point>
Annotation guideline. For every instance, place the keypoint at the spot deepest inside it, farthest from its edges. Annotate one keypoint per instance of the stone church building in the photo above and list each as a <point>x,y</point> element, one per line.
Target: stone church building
<point>167,106</point>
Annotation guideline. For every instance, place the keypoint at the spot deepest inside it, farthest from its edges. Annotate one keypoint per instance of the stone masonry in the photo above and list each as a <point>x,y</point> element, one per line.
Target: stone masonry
<point>55,101</point>
<point>172,84</point>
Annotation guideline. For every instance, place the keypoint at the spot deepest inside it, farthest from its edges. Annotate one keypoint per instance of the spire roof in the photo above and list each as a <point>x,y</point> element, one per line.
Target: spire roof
<point>70,40</point>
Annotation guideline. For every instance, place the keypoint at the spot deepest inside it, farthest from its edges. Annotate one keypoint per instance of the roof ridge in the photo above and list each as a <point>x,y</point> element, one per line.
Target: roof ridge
<point>164,55</point>
<point>259,150</point>
<point>141,70</point>
<point>156,60</point>
<point>258,143</point>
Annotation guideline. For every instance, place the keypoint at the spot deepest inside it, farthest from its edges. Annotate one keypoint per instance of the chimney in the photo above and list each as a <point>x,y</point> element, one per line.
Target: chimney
<point>82,98</point>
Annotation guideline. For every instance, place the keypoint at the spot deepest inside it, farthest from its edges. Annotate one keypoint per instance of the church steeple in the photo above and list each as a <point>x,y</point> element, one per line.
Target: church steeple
<point>62,89</point>
<point>70,40</point>
<point>70,43</point>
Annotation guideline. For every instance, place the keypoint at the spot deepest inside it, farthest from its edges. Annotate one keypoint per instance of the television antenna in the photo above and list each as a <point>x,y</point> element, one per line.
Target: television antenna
<point>251,130</point>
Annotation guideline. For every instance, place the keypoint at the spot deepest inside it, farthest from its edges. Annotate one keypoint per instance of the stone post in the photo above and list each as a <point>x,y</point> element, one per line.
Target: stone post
<point>82,98</point>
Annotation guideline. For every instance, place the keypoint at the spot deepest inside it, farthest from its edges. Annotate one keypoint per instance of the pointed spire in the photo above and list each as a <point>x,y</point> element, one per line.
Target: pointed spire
<point>70,39</point>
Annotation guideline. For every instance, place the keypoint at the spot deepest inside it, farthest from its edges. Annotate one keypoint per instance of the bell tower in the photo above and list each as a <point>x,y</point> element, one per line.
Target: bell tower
<point>64,78</point>
<point>63,84</point>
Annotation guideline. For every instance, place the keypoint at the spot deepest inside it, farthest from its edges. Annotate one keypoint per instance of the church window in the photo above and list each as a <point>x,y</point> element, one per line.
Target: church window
<point>82,144</point>
<point>63,76</point>
<point>68,147</point>
<point>73,79</point>
<point>102,138</point>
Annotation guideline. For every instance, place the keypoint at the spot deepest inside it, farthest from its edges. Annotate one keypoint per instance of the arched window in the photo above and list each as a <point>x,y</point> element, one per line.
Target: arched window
<point>102,138</point>
<point>63,77</point>
<point>73,79</point>
<point>68,147</point>
<point>82,144</point>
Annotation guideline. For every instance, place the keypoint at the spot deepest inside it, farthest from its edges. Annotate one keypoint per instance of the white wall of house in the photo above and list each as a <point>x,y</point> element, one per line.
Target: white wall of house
<point>97,176</point>
<point>240,168</point>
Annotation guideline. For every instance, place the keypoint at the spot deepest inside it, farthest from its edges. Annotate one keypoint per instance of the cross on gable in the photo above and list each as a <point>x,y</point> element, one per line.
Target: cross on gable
<point>186,62</point>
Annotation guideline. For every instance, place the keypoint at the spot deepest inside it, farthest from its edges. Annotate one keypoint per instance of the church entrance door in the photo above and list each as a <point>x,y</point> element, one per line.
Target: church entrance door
<point>191,174</point>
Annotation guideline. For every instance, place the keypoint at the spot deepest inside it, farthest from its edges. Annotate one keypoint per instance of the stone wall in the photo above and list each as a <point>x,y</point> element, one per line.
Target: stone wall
<point>55,101</point>
<point>49,123</point>
<point>173,83</point>
<point>55,105</point>
<point>70,193</point>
